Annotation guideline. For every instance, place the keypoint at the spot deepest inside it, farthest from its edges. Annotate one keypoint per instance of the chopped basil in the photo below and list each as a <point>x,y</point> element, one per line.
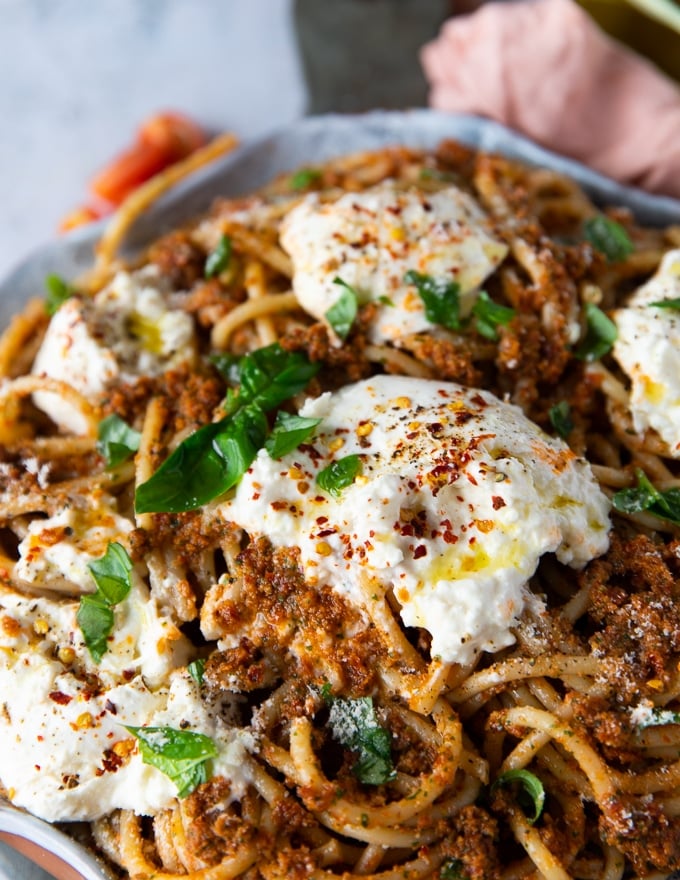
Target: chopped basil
<point>95,617</point>
<point>271,375</point>
<point>489,315</point>
<point>654,717</point>
<point>196,670</point>
<point>356,727</point>
<point>181,755</point>
<point>227,365</point>
<point>560,418</point>
<point>58,291</point>
<point>343,312</point>
<point>530,784</point>
<point>609,237</point>
<point>673,304</point>
<point>601,334</point>
<point>340,474</point>
<point>218,259</point>
<point>440,298</point>
<point>214,458</point>
<point>644,496</point>
<point>304,178</point>
<point>453,869</point>
<point>117,441</point>
<point>288,433</point>
<point>386,301</point>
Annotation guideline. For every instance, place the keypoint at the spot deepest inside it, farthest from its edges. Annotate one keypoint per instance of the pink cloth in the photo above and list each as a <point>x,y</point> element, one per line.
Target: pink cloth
<point>545,69</point>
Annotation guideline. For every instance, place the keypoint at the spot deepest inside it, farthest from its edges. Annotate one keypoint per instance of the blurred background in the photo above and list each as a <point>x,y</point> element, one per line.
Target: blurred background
<point>78,78</point>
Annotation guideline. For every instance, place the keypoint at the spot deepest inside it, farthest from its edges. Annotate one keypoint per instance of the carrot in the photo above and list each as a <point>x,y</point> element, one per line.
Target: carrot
<point>161,140</point>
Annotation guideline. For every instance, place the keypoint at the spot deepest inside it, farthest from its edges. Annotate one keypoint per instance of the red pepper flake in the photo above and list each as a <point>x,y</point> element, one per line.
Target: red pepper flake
<point>59,697</point>
<point>497,502</point>
<point>420,551</point>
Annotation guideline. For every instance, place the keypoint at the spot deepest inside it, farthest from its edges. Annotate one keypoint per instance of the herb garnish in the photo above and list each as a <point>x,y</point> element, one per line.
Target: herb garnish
<point>655,717</point>
<point>343,312</point>
<point>111,574</point>
<point>489,315</point>
<point>288,433</point>
<point>452,869</point>
<point>213,459</point>
<point>340,474</point>
<point>117,441</point>
<point>673,304</point>
<point>600,335</point>
<point>644,496</point>
<point>58,291</point>
<point>219,258</point>
<point>182,755</point>
<point>560,418</point>
<point>530,784</point>
<point>355,726</point>
<point>304,178</point>
<point>440,298</point>
<point>196,670</point>
<point>608,237</point>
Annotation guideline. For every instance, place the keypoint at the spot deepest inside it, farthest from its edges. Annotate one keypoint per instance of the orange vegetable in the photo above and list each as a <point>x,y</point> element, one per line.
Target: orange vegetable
<point>82,215</point>
<point>161,140</point>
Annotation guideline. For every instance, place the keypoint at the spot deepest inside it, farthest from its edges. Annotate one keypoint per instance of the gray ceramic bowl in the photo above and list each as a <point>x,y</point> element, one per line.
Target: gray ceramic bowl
<point>309,141</point>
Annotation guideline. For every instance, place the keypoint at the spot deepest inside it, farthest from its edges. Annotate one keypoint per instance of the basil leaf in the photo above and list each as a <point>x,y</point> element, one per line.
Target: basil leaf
<point>634,500</point>
<point>271,375</point>
<point>453,869</point>
<point>58,291</point>
<point>440,298</point>
<point>237,445</point>
<point>180,754</point>
<point>645,496</point>
<point>214,458</point>
<point>673,304</point>
<point>196,670</point>
<point>187,478</point>
<point>601,334</point>
<point>95,619</point>
<point>339,474</point>
<point>288,433</point>
<point>95,616</point>
<point>560,418</point>
<point>117,441</point>
<point>304,178</point>
<point>355,726</point>
<point>489,315</point>
<point>608,237</point>
<point>111,574</point>
<point>227,366</point>
<point>219,258</point>
<point>343,312</point>
<point>530,784</point>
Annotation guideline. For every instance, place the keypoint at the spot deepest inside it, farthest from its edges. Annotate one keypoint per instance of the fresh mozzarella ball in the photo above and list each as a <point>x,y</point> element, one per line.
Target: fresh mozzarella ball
<point>458,497</point>
<point>371,240</point>
<point>64,751</point>
<point>126,331</point>
<point>648,351</point>
<point>55,552</point>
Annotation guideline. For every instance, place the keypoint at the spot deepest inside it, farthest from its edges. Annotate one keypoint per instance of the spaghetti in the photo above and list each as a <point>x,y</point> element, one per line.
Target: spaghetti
<point>352,748</point>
